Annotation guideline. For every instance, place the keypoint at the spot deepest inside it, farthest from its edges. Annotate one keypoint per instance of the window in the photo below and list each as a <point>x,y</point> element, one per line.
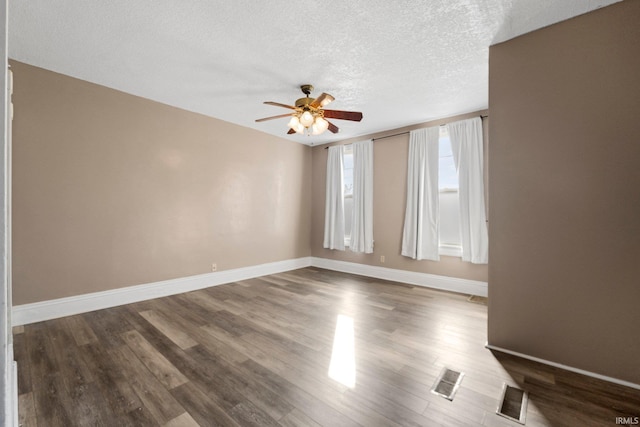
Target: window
<point>347,176</point>
<point>450,240</point>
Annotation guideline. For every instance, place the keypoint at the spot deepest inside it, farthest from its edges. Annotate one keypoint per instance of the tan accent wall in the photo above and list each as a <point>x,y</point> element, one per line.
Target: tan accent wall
<point>389,201</point>
<point>112,190</point>
<point>564,275</point>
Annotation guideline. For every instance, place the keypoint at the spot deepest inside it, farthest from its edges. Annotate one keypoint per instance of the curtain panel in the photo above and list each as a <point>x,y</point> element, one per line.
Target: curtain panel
<point>420,236</point>
<point>334,200</point>
<point>362,215</point>
<point>466,143</point>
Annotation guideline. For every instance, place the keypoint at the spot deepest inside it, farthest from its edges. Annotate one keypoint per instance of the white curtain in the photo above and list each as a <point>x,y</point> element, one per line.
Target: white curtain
<point>466,142</point>
<point>421,221</point>
<point>334,200</point>
<point>362,215</point>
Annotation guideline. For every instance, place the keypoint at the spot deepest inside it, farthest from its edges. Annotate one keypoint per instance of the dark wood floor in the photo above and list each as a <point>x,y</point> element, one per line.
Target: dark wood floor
<point>257,353</point>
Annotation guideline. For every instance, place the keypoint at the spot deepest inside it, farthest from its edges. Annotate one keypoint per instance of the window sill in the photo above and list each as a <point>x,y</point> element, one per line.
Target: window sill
<point>450,250</point>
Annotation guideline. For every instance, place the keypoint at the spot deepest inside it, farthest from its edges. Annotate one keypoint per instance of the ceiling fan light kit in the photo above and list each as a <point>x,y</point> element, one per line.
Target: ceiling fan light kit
<point>309,114</point>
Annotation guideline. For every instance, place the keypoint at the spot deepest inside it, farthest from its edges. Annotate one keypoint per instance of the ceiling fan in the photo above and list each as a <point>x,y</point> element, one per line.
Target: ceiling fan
<point>309,114</point>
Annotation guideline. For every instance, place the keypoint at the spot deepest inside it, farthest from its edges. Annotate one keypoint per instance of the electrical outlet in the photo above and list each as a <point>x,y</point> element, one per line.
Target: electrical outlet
<point>214,267</point>
<point>382,259</point>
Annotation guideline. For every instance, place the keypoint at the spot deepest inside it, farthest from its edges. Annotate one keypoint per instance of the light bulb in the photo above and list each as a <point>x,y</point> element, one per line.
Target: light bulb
<point>294,122</point>
<point>299,128</point>
<point>306,119</point>
<point>320,125</point>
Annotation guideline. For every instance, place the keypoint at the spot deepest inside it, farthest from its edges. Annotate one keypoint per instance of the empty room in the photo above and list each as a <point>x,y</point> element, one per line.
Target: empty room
<point>281,213</point>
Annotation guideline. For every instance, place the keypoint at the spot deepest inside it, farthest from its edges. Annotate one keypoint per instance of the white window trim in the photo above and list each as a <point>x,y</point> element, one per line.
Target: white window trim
<point>449,249</point>
<point>347,239</point>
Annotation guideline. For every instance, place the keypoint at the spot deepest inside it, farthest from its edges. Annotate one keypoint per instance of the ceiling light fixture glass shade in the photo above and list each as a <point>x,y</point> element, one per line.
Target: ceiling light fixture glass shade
<point>306,119</point>
<point>319,126</point>
<point>311,122</point>
<point>295,124</point>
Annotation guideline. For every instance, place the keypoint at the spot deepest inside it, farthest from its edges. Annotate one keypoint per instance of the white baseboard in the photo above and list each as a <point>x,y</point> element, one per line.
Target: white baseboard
<point>453,284</point>
<point>52,309</point>
<point>565,367</point>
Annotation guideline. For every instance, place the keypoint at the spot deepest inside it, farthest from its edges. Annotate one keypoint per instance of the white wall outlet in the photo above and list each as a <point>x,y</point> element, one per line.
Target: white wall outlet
<point>382,259</point>
<point>214,267</point>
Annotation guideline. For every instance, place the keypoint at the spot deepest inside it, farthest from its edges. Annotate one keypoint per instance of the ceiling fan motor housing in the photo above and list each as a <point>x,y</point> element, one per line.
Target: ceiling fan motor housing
<point>304,102</point>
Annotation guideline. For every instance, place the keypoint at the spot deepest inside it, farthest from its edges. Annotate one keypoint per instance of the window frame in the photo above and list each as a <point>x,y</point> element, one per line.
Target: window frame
<point>447,249</point>
<point>348,151</point>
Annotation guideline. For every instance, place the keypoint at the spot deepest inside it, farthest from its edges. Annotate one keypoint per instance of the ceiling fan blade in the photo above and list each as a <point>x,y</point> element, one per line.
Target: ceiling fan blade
<point>343,115</point>
<point>291,132</point>
<point>333,128</point>
<point>322,100</point>
<point>278,104</point>
<point>273,117</point>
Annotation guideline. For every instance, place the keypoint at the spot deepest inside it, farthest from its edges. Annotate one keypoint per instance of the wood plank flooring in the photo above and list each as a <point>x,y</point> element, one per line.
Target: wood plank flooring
<point>258,353</point>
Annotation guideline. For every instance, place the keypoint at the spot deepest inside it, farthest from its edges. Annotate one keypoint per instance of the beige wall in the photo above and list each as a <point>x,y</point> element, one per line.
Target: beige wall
<point>112,190</point>
<point>389,200</point>
<point>564,276</point>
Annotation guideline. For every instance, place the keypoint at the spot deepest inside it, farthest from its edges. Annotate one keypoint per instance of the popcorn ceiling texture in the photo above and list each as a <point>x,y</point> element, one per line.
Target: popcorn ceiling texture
<point>400,63</point>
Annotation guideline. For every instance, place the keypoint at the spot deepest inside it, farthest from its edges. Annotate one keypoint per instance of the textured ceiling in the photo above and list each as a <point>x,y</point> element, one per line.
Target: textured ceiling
<point>400,63</point>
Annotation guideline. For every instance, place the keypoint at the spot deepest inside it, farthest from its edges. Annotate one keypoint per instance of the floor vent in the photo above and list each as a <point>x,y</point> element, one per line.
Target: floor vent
<point>513,404</point>
<point>447,383</point>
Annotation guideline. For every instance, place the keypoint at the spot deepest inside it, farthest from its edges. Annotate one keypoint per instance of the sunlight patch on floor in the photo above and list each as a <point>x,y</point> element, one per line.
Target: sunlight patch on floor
<point>343,362</point>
